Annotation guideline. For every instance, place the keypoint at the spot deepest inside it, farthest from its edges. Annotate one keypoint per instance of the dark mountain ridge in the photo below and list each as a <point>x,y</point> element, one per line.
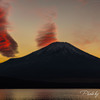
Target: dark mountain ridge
<point>59,62</point>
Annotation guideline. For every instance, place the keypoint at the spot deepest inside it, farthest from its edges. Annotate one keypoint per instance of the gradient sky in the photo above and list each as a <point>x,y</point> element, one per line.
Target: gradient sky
<point>78,22</point>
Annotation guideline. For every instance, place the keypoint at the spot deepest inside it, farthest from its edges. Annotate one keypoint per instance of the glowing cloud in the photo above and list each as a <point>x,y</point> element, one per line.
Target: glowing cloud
<point>47,34</point>
<point>8,46</point>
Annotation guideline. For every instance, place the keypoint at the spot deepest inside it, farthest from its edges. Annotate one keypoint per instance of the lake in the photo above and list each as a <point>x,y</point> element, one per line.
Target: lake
<point>50,94</point>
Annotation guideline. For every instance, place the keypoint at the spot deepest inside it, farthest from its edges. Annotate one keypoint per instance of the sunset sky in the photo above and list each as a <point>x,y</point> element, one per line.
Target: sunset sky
<point>78,22</point>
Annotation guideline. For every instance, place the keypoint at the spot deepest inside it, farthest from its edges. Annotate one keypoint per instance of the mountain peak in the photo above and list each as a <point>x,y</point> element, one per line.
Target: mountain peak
<point>59,49</point>
<point>57,61</point>
<point>63,48</point>
<point>56,47</point>
<point>60,46</point>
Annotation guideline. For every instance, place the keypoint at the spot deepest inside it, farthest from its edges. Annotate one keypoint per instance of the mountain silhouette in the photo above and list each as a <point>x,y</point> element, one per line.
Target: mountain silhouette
<point>59,65</point>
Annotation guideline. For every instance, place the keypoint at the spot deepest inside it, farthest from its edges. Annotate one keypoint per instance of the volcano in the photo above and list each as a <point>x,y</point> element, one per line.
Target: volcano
<point>58,65</point>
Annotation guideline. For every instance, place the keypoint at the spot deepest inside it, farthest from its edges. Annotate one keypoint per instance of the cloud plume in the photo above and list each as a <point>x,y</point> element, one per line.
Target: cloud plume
<point>47,34</point>
<point>8,46</point>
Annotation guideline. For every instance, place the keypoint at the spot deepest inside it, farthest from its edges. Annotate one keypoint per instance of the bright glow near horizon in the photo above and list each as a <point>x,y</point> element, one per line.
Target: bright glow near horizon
<point>78,23</point>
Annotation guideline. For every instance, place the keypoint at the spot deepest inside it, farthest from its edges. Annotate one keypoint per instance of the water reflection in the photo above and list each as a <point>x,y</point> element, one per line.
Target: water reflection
<point>47,94</point>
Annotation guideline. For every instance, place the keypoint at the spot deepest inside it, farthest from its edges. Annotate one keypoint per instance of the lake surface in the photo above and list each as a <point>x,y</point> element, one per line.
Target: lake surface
<point>50,94</point>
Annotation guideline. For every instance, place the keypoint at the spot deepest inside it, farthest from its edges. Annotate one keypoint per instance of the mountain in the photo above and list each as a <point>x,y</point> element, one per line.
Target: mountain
<point>60,64</point>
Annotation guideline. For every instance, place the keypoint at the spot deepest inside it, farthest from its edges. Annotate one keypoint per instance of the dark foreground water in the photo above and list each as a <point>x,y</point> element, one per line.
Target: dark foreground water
<point>49,94</point>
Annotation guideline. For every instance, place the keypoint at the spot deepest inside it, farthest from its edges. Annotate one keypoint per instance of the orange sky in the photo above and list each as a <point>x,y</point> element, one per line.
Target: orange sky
<point>77,22</point>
